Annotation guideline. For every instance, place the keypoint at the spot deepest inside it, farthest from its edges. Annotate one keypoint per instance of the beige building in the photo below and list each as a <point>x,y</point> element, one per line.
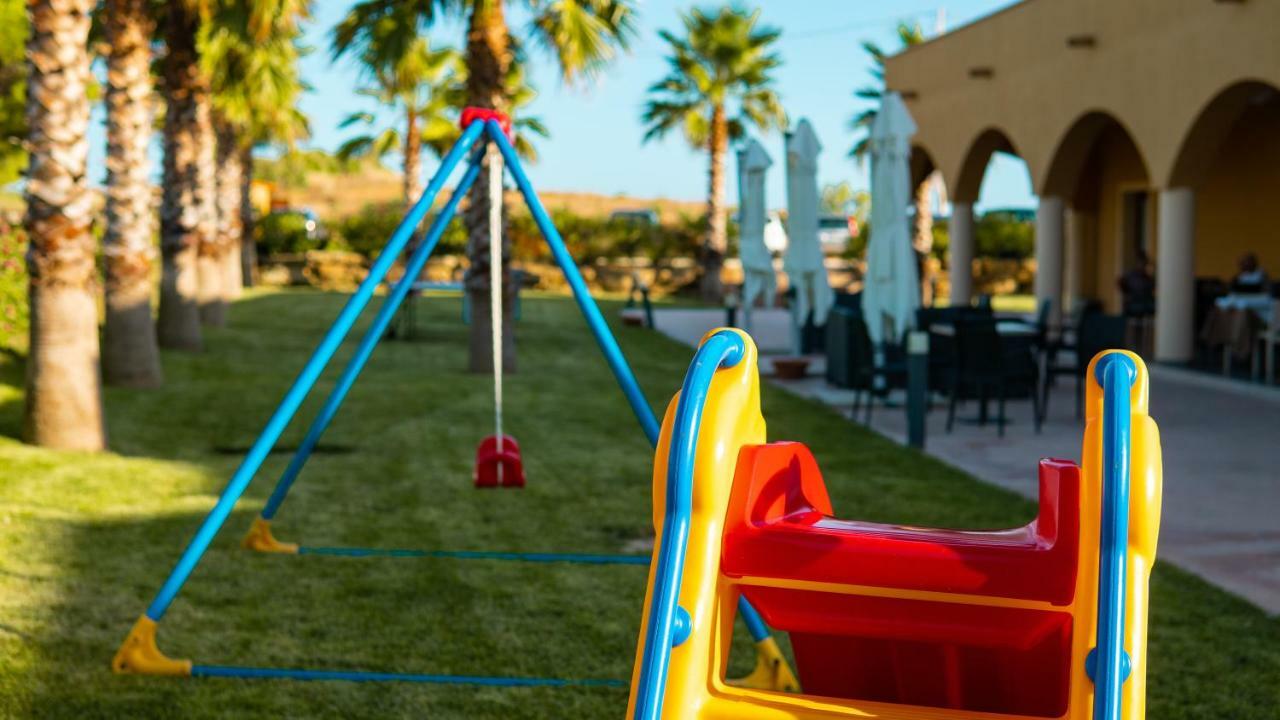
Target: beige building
<point>1145,124</point>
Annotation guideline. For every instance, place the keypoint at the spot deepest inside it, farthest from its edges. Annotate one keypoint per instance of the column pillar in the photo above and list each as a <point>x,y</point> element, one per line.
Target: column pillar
<point>961,230</point>
<point>1073,282</point>
<point>1049,232</point>
<point>1176,275</point>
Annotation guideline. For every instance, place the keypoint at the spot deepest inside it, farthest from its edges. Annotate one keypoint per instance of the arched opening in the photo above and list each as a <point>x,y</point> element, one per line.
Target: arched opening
<point>1218,208</point>
<point>929,223</point>
<point>1230,158</point>
<point>991,229</point>
<point>1100,176</point>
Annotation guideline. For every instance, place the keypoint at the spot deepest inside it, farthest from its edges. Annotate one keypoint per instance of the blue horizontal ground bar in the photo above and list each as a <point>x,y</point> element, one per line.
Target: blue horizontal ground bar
<point>259,673</point>
<point>581,558</point>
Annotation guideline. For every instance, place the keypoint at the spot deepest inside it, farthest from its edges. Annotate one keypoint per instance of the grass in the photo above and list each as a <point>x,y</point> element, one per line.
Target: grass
<point>85,540</point>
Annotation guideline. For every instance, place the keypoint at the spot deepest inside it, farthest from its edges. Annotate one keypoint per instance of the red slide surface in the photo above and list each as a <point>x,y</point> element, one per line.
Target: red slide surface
<point>780,526</point>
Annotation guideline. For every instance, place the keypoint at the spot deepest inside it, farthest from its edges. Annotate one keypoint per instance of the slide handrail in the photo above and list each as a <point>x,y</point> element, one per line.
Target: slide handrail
<point>670,624</point>
<point>1116,374</point>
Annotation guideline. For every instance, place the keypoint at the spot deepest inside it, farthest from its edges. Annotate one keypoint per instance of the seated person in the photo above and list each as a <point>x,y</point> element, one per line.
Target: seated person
<point>1251,279</point>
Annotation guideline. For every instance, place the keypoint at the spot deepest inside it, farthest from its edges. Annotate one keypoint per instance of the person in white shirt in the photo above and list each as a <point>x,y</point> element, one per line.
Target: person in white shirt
<point>1251,278</point>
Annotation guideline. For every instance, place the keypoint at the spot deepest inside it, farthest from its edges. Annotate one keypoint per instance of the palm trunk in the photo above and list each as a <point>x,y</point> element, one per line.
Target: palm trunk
<point>130,356</point>
<point>412,179</point>
<point>183,224</point>
<point>488,59</point>
<point>717,243</point>
<point>248,251</point>
<point>922,239</point>
<point>211,295</point>
<point>412,160</point>
<point>230,227</point>
<point>63,386</point>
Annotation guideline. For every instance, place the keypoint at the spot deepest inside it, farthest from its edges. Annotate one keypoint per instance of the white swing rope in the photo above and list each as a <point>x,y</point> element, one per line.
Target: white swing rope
<point>495,290</point>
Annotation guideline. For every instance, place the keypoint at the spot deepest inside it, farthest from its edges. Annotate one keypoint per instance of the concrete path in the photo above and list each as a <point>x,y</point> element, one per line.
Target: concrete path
<point>1220,440</point>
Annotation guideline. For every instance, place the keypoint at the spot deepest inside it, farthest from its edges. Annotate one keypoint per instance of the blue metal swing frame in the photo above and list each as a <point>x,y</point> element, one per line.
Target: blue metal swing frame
<point>489,130</point>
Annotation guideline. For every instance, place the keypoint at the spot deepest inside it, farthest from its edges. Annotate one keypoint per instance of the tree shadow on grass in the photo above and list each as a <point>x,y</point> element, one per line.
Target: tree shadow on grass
<point>13,366</point>
<point>111,525</point>
<point>315,612</point>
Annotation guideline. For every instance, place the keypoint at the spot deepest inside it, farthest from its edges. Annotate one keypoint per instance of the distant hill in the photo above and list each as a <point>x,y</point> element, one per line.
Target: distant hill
<point>335,195</point>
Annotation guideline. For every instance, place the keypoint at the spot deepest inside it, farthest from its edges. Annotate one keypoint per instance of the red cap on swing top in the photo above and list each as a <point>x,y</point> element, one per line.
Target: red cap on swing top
<point>471,114</point>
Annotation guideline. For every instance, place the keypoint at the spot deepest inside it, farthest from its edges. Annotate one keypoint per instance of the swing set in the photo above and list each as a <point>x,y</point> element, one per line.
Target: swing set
<point>485,138</point>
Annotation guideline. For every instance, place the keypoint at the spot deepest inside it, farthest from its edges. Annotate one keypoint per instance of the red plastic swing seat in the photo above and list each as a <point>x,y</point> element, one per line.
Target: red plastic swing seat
<point>488,460</point>
<point>867,606</point>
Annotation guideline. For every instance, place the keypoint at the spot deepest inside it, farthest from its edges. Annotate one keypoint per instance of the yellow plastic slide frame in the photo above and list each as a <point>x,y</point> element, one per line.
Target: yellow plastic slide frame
<point>696,686</point>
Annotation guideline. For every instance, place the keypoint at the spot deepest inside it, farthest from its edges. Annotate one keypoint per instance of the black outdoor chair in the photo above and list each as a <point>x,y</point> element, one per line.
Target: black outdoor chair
<point>841,366</point>
<point>942,352</point>
<point>1095,333</point>
<point>863,372</point>
<point>1065,342</point>
<point>989,365</point>
<point>1041,324</point>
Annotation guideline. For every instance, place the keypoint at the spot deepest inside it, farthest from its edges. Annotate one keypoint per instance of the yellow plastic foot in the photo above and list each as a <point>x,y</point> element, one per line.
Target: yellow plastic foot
<point>260,539</point>
<point>772,672</point>
<point>138,653</point>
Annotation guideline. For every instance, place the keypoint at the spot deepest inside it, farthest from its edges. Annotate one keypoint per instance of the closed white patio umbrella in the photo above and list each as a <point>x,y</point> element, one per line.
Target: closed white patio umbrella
<point>758,279</point>
<point>891,292</point>
<point>803,261</point>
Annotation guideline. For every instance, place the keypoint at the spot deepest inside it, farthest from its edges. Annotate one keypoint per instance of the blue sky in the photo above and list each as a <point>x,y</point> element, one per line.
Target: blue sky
<point>595,143</point>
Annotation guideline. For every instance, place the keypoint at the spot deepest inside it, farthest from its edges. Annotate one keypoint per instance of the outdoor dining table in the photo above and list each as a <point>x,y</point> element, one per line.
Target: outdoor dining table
<point>1013,329</point>
<point>1235,323</point>
<point>1010,328</point>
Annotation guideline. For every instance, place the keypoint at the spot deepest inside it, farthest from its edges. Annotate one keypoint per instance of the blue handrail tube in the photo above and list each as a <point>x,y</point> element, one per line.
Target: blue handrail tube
<point>371,339</point>
<point>751,618</point>
<point>1116,374</point>
<point>724,349</point>
<point>305,381</point>
<point>599,328</point>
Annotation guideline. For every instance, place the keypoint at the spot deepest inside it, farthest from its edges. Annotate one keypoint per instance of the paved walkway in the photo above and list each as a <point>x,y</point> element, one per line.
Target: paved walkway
<point>1220,440</point>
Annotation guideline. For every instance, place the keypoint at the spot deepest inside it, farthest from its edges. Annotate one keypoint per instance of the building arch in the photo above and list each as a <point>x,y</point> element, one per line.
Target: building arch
<point>1098,173</point>
<point>1069,163</point>
<point>973,167</point>
<point>1213,126</point>
<point>921,164</point>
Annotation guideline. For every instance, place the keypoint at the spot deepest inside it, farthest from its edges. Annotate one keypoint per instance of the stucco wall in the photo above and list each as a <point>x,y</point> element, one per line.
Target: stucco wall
<point>1239,201</point>
<point>1155,65</point>
<point>1182,78</point>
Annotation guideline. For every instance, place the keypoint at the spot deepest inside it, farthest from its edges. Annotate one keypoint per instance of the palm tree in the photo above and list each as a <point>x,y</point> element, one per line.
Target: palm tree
<point>187,211</point>
<point>582,35</point>
<point>63,393</point>
<point>922,232</point>
<point>423,85</point>
<point>431,108</point>
<point>130,355</point>
<point>723,60</point>
<point>250,51</point>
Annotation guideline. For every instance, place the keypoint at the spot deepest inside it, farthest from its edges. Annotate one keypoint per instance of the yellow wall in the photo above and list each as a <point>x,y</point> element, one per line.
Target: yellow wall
<point>1238,205</point>
<point>1113,169</point>
<point>1155,71</point>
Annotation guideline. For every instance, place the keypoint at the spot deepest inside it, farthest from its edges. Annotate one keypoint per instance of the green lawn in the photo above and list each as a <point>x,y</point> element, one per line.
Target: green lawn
<point>86,540</point>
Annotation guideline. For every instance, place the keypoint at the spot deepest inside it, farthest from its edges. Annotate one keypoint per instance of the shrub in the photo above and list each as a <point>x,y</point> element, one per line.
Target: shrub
<point>587,238</point>
<point>13,286</point>
<point>283,232</point>
<point>1002,235</point>
<point>367,231</point>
